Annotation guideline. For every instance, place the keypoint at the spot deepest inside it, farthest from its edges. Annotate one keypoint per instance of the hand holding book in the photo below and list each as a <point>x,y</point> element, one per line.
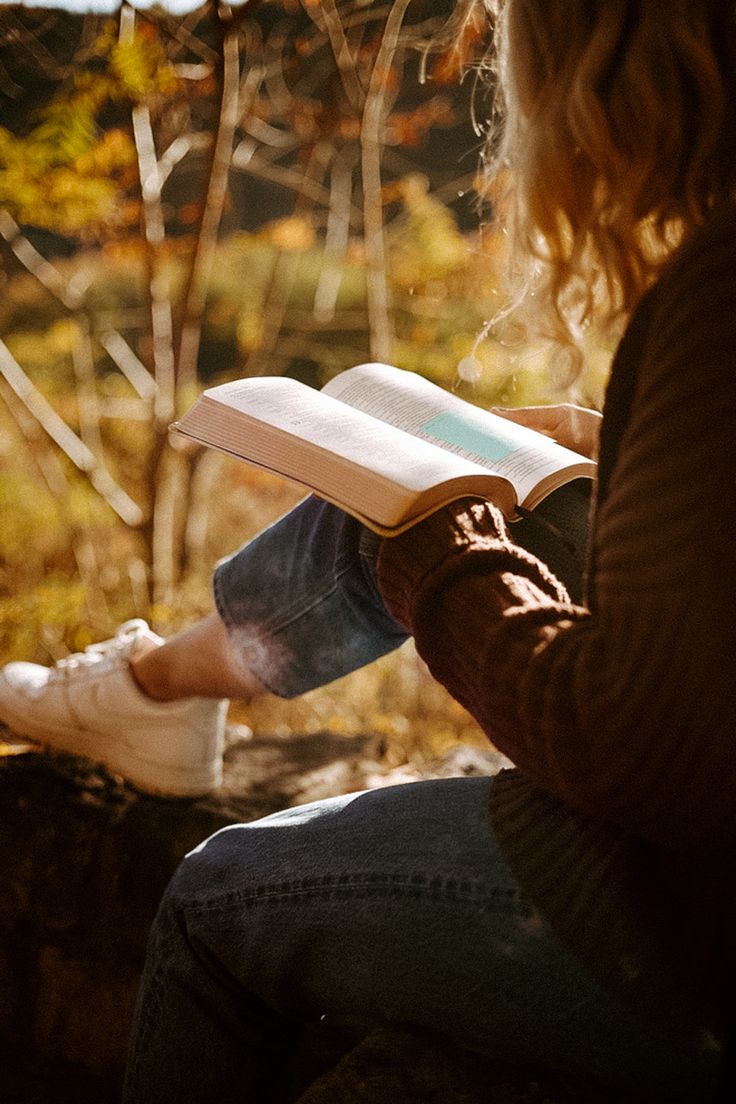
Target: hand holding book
<point>574,427</point>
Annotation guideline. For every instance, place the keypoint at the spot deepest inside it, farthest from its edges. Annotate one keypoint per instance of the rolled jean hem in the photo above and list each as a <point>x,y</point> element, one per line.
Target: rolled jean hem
<point>300,601</point>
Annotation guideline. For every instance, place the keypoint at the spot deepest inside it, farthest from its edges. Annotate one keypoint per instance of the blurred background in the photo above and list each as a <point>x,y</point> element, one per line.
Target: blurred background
<point>282,187</point>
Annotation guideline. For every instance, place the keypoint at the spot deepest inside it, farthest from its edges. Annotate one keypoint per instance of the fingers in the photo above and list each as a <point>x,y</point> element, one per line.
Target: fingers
<point>542,418</point>
<point>573,426</point>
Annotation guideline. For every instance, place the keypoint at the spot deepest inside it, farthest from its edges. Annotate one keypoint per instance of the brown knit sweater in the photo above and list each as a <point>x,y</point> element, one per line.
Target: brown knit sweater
<point>620,819</point>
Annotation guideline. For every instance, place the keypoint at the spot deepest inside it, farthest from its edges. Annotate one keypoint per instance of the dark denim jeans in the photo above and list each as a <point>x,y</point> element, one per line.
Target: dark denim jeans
<point>394,905</point>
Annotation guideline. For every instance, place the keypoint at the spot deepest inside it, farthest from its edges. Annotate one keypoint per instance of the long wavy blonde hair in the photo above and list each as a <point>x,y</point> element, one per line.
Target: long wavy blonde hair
<point>616,138</point>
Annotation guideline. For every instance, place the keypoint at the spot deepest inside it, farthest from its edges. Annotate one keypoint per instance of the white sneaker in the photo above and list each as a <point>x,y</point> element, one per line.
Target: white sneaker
<point>89,704</point>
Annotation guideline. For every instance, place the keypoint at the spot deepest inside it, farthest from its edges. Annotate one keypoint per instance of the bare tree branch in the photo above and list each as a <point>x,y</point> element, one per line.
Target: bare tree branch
<point>70,444</point>
<point>131,367</point>
<point>87,400</point>
<point>201,267</point>
<point>41,453</point>
<point>53,476</point>
<point>371,143</point>
<point>282,275</point>
<point>244,159</point>
<point>37,265</point>
<point>205,478</point>
<point>70,294</point>
<point>179,30</point>
<point>177,150</point>
<point>164,528</point>
<point>326,14</point>
<point>154,232</point>
<point>337,238</point>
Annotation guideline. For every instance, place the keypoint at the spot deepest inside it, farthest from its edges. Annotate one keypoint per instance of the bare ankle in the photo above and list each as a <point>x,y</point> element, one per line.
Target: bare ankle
<point>146,671</point>
<point>197,662</point>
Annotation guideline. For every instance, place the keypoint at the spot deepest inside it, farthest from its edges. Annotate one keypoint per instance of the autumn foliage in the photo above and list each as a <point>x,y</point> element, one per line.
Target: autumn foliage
<point>231,192</point>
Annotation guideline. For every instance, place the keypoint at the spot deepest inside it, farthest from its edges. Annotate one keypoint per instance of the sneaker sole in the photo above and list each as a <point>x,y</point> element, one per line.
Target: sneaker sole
<point>145,774</point>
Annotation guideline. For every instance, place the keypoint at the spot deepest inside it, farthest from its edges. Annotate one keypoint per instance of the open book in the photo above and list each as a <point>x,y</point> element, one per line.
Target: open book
<point>385,445</point>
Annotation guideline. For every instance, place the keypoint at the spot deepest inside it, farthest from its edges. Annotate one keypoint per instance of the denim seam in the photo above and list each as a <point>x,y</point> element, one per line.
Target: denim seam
<point>369,574</point>
<point>359,886</point>
<point>151,1009</point>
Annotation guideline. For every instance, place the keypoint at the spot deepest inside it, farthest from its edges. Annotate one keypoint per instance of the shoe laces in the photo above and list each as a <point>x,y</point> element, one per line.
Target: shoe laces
<point>107,652</point>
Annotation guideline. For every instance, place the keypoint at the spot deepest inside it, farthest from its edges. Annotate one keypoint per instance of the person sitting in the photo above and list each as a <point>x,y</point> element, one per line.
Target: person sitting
<point>576,911</point>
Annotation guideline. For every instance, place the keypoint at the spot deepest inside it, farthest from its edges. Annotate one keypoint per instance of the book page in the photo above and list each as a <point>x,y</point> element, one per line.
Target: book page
<point>409,402</point>
<point>323,443</point>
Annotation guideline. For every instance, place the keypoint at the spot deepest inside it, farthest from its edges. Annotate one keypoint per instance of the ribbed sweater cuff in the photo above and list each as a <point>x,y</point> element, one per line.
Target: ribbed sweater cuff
<point>409,564</point>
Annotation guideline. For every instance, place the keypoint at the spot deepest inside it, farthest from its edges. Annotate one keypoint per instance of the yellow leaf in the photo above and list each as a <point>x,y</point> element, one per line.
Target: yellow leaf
<point>291,234</point>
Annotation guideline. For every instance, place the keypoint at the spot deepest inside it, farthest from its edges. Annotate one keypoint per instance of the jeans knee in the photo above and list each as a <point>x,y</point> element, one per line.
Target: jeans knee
<point>208,869</point>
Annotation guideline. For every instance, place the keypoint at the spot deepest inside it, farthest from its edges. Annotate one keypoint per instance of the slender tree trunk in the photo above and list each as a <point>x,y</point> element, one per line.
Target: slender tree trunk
<point>201,268</point>
<point>371,139</point>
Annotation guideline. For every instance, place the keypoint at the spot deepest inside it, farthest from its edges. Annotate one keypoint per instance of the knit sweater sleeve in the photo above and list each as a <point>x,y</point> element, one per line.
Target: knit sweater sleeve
<point>626,709</point>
